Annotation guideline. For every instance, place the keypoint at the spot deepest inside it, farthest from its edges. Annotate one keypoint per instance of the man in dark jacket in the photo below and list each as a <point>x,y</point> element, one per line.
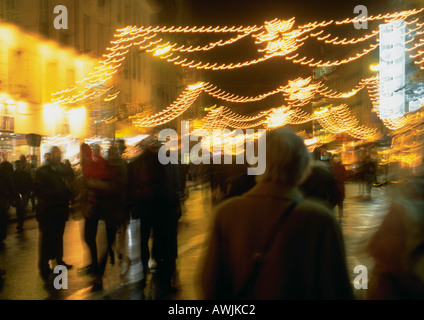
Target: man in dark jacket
<point>53,192</point>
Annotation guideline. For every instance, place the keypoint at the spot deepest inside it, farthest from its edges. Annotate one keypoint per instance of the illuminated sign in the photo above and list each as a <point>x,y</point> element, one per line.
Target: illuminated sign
<point>392,70</point>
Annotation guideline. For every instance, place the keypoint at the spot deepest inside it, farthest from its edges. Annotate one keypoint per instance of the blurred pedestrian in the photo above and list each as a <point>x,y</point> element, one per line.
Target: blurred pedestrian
<point>47,157</point>
<point>105,182</point>
<point>369,170</point>
<point>339,172</point>
<point>270,243</point>
<point>26,166</point>
<point>70,177</point>
<point>6,194</point>
<point>398,246</point>
<point>154,197</point>
<point>6,165</point>
<point>29,167</point>
<point>93,175</point>
<point>53,193</point>
<point>321,185</point>
<point>116,213</point>
<point>23,184</point>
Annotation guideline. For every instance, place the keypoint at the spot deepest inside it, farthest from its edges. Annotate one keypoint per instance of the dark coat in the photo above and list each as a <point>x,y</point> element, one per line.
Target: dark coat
<point>306,260</point>
<point>22,181</point>
<point>53,192</point>
<point>154,189</point>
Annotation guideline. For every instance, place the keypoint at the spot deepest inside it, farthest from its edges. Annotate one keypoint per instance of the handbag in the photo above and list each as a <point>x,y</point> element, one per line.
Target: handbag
<point>246,291</point>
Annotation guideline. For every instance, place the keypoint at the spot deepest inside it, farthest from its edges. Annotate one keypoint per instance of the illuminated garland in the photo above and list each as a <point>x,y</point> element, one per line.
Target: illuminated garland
<point>279,38</point>
<point>176,109</point>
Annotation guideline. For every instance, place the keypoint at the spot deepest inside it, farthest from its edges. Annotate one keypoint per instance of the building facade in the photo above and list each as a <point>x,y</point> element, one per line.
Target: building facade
<point>37,59</point>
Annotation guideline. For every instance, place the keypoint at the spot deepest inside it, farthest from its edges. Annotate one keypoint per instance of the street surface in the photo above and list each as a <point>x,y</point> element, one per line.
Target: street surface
<point>19,255</point>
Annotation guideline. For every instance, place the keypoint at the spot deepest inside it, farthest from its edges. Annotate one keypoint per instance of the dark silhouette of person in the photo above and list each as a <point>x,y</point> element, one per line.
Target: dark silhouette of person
<point>53,193</point>
<point>305,260</point>
<point>6,164</point>
<point>6,195</point>
<point>339,172</point>
<point>94,172</point>
<point>22,181</point>
<point>105,181</point>
<point>369,171</point>
<point>321,185</point>
<point>29,167</point>
<point>154,195</point>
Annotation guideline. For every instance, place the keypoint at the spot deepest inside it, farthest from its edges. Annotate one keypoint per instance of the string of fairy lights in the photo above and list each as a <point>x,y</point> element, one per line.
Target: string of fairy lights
<point>276,38</point>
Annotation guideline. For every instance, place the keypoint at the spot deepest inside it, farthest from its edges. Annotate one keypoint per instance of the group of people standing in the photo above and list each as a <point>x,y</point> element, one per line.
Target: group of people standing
<point>16,190</point>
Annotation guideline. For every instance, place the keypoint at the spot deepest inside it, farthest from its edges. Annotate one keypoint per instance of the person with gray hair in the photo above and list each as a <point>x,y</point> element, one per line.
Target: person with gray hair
<point>270,243</point>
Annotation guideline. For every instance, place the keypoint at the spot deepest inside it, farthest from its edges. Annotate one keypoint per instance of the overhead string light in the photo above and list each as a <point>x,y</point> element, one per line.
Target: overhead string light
<point>402,15</point>
<point>330,93</point>
<point>222,117</point>
<point>173,111</point>
<point>298,92</point>
<point>276,38</point>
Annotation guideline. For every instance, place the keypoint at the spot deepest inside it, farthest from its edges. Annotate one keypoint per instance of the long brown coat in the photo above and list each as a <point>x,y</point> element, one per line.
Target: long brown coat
<point>306,260</point>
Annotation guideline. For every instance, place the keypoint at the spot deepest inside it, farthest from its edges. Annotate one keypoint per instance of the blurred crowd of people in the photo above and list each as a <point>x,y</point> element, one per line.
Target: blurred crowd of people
<point>274,236</point>
<point>108,189</point>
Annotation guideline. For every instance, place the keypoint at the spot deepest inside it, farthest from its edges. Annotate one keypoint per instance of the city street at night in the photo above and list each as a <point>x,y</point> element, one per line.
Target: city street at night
<point>204,150</point>
<point>362,217</point>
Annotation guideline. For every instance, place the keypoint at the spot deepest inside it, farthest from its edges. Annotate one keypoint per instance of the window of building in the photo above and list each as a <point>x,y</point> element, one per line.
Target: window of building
<point>87,34</point>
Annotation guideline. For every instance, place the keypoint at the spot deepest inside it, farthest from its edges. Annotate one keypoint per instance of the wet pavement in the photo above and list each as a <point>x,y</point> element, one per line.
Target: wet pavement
<point>19,256</point>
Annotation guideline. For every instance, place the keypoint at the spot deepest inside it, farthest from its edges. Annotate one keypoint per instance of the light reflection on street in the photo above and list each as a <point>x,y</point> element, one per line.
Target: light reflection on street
<point>362,216</point>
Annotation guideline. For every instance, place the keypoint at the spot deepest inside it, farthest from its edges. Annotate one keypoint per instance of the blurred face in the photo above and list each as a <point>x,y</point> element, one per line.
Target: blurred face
<point>56,156</point>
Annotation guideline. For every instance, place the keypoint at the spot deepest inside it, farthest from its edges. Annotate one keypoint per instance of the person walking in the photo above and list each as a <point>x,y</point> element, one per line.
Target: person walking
<point>22,181</point>
<point>111,196</point>
<point>270,243</point>
<point>397,247</point>
<point>154,196</point>
<point>340,174</point>
<point>93,175</point>
<point>53,193</point>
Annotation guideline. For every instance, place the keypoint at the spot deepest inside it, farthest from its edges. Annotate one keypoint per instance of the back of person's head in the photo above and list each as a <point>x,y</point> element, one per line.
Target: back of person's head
<point>85,153</point>
<point>320,183</point>
<point>18,165</point>
<point>113,153</point>
<point>287,158</point>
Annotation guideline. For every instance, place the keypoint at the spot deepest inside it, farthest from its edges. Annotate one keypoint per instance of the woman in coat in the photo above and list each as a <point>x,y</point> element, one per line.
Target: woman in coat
<point>306,258</point>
